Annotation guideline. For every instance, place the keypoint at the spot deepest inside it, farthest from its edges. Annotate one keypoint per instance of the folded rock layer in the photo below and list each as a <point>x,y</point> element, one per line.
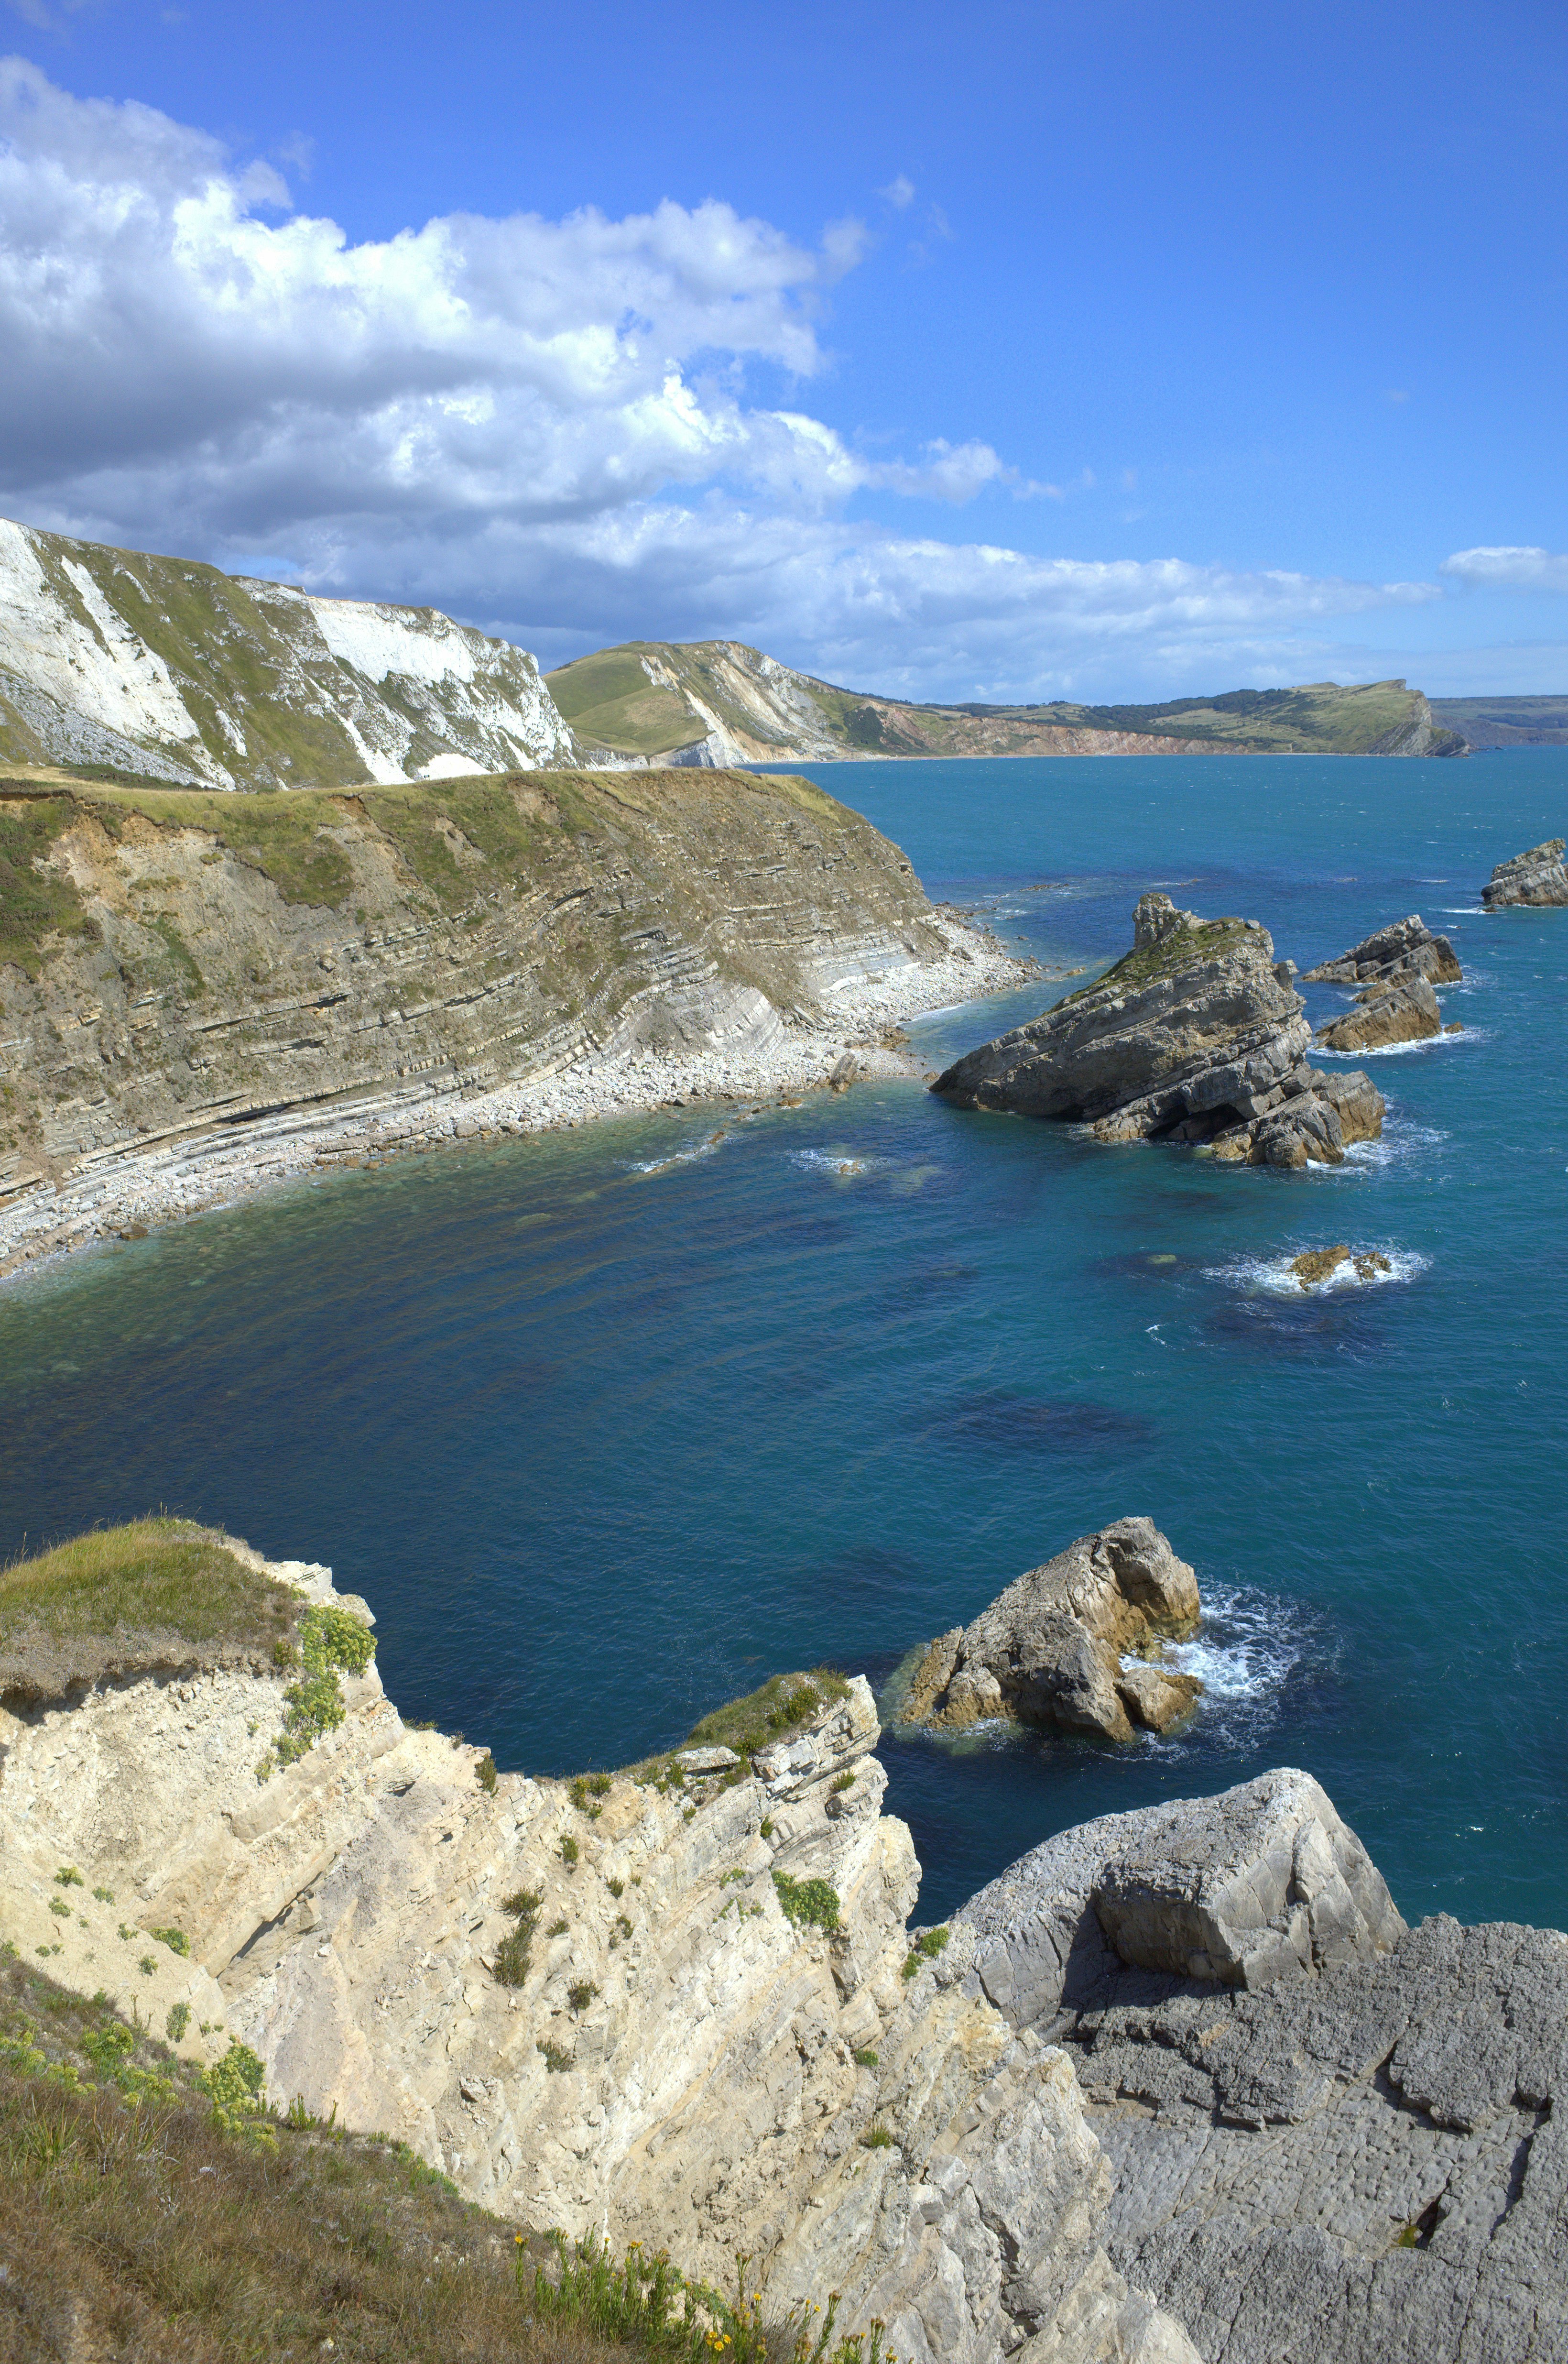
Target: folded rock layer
<point>1537,876</point>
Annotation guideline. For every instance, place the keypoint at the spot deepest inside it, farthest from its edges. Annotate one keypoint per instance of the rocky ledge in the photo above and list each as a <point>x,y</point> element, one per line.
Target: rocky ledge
<point>1336,2140</point>
<point>1197,1035</point>
<point>1537,876</point>
<point>1049,1650</point>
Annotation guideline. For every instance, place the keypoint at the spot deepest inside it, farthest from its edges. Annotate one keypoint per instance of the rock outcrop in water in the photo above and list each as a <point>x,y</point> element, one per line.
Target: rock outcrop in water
<point>1537,876</point>
<point>1197,1035</point>
<point>1049,1650</point>
<point>1405,948</point>
<point>1405,1009</point>
<point>1336,2140</point>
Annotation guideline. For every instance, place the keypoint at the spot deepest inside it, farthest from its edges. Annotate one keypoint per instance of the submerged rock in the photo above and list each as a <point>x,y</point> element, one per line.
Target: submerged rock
<point>1197,1036</point>
<point>1048,1650</point>
<point>1537,876</point>
<point>1405,1009</point>
<point>1407,948</point>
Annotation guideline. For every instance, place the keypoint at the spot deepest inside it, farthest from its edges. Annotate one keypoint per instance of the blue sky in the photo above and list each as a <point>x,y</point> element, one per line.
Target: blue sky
<point>996,352</point>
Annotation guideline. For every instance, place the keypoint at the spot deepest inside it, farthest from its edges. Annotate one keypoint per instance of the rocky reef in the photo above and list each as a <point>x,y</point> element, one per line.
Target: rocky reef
<point>1072,1644</point>
<point>1537,876</point>
<point>1335,2139</point>
<point>1197,1035</point>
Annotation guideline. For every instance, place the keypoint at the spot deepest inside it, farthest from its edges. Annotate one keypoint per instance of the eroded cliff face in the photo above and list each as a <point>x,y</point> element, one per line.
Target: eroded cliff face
<point>680,2061</point>
<point>178,963</point>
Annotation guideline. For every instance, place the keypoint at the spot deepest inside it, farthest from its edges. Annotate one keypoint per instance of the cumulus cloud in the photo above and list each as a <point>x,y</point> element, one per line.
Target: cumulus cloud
<point>1507,568</point>
<point>551,428</point>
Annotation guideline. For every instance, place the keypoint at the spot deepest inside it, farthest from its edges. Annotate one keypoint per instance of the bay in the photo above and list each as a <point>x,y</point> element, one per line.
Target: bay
<point>609,1425</point>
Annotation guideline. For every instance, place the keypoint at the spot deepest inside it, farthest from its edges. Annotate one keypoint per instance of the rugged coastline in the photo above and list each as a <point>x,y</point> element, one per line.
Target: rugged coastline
<point>205,994</point>
<point>1179,2083</point>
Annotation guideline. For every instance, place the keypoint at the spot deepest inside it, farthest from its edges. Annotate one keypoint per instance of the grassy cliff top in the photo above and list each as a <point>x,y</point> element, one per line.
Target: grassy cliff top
<point>154,1591</point>
<point>1317,715</point>
<point>294,835</point>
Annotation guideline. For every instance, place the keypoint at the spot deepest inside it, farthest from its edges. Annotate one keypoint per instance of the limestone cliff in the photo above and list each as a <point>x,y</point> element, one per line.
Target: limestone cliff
<point>167,667</point>
<point>674,2006</point>
<point>180,967</point>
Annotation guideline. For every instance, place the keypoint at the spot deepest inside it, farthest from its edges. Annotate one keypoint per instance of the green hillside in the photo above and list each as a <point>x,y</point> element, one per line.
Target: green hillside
<point>1506,721</point>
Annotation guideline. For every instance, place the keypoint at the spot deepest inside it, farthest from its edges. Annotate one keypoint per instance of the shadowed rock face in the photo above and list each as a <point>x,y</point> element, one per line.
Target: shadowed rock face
<point>1048,1650</point>
<point>1536,877</point>
<point>1197,1036</point>
<point>1407,948</point>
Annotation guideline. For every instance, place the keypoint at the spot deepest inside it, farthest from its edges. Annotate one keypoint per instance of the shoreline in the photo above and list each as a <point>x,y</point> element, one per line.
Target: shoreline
<point>129,1191</point>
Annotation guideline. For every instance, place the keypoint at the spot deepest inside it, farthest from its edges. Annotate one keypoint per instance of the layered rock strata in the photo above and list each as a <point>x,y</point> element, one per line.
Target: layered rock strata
<point>1197,1035</point>
<point>1537,876</point>
<point>1072,1644</point>
<point>1402,1010</point>
<point>708,2000</point>
<point>194,982</point>
<point>1335,2139</point>
<point>1407,947</point>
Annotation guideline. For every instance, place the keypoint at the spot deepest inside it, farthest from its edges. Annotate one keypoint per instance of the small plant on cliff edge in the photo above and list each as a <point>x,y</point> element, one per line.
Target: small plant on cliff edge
<point>811,1901</point>
<point>178,2020</point>
<point>569,1852</point>
<point>646,2302</point>
<point>925,1949</point>
<point>485,1773</point>
<point>845,1781</point>
<point>581,1994</point>
<point>330,1639</point>
<point>175,1939</point>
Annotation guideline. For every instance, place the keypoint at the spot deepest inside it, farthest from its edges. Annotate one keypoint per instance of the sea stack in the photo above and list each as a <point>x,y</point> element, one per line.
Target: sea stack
<point>1197,1035</point>
<point>1050,1649</point>
<point>1536,877</point>
<point>1407,948</point>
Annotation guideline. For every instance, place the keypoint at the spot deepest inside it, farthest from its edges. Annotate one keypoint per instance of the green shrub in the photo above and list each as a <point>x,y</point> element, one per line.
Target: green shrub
<point>234,2086</point>
<point>615,1887</point>
<point>876,2138</point>
<point>178,2020</point>
<point>555,2060</point>
<point>558,1928</point>
<point>765,1827</point>
<point>69,1876</point>
<point>569,1851</point>
<point>865,2059</point>
<point>811,1902</point>
<point>515,1952</point>
<point>175,1939</point>
<point>845,1781</point>
<point>61,1911</point>
<point>925,1949</point>
<point>485,1773</point>
<point>581,1994</point>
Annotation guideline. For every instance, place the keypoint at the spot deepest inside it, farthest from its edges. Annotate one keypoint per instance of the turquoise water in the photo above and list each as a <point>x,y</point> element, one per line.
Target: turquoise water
<point>610,1425</point>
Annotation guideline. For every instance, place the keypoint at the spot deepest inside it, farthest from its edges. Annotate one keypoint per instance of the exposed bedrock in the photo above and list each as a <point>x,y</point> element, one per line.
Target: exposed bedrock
<point>1049,1650</point>
<point>1197,1035</point>
<point>1340,2145</point>
<point>1405,948</point>
<point>1537,876</point>
<point>1402,1010</point>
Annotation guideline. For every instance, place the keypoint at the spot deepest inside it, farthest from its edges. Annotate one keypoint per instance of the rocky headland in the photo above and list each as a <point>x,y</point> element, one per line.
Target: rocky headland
<point>202,992</point>
<point>1405,948</point>
<point>1537,876</point>
<point>1071,1646</point>
<point>1197,1035</point>
<point>1179,2084</point>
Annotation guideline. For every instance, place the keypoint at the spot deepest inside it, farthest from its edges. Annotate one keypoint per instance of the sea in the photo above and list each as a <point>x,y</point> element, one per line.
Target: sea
<point>610,1425</point>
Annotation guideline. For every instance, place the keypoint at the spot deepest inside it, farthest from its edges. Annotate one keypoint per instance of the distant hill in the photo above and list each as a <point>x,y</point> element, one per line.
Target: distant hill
<point>1506,721</point>
<point>113,660</point>
<point>722,702</point>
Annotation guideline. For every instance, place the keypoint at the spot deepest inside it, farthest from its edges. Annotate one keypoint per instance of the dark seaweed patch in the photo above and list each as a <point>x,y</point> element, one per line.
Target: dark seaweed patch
<point>1011,1423</point>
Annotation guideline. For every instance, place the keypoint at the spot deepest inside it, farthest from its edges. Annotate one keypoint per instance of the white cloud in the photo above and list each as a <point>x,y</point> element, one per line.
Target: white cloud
<point>543,427</point>
<point>1508,568</point>
<point>899,192</point>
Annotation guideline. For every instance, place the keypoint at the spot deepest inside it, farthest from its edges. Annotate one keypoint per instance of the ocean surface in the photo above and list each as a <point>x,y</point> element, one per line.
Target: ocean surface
<point>608,1426</point>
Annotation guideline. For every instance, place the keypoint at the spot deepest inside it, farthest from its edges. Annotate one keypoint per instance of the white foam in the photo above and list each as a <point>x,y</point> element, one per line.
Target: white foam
<point>842,1163</point>
<point>1396,1149</point>
<point>685,1156</point>
<point>1403,1050</point>
<point>1245,1651</point>
<point>1272,1275</point>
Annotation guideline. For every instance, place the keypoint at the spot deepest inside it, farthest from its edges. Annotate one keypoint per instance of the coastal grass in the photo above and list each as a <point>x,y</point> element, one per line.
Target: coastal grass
<point>160,1576</point>
<point>1149,961</point>
<point>151,2213</point>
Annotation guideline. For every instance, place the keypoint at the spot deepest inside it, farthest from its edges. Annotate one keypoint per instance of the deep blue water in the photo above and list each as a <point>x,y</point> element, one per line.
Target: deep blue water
<point>605,1445</point>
